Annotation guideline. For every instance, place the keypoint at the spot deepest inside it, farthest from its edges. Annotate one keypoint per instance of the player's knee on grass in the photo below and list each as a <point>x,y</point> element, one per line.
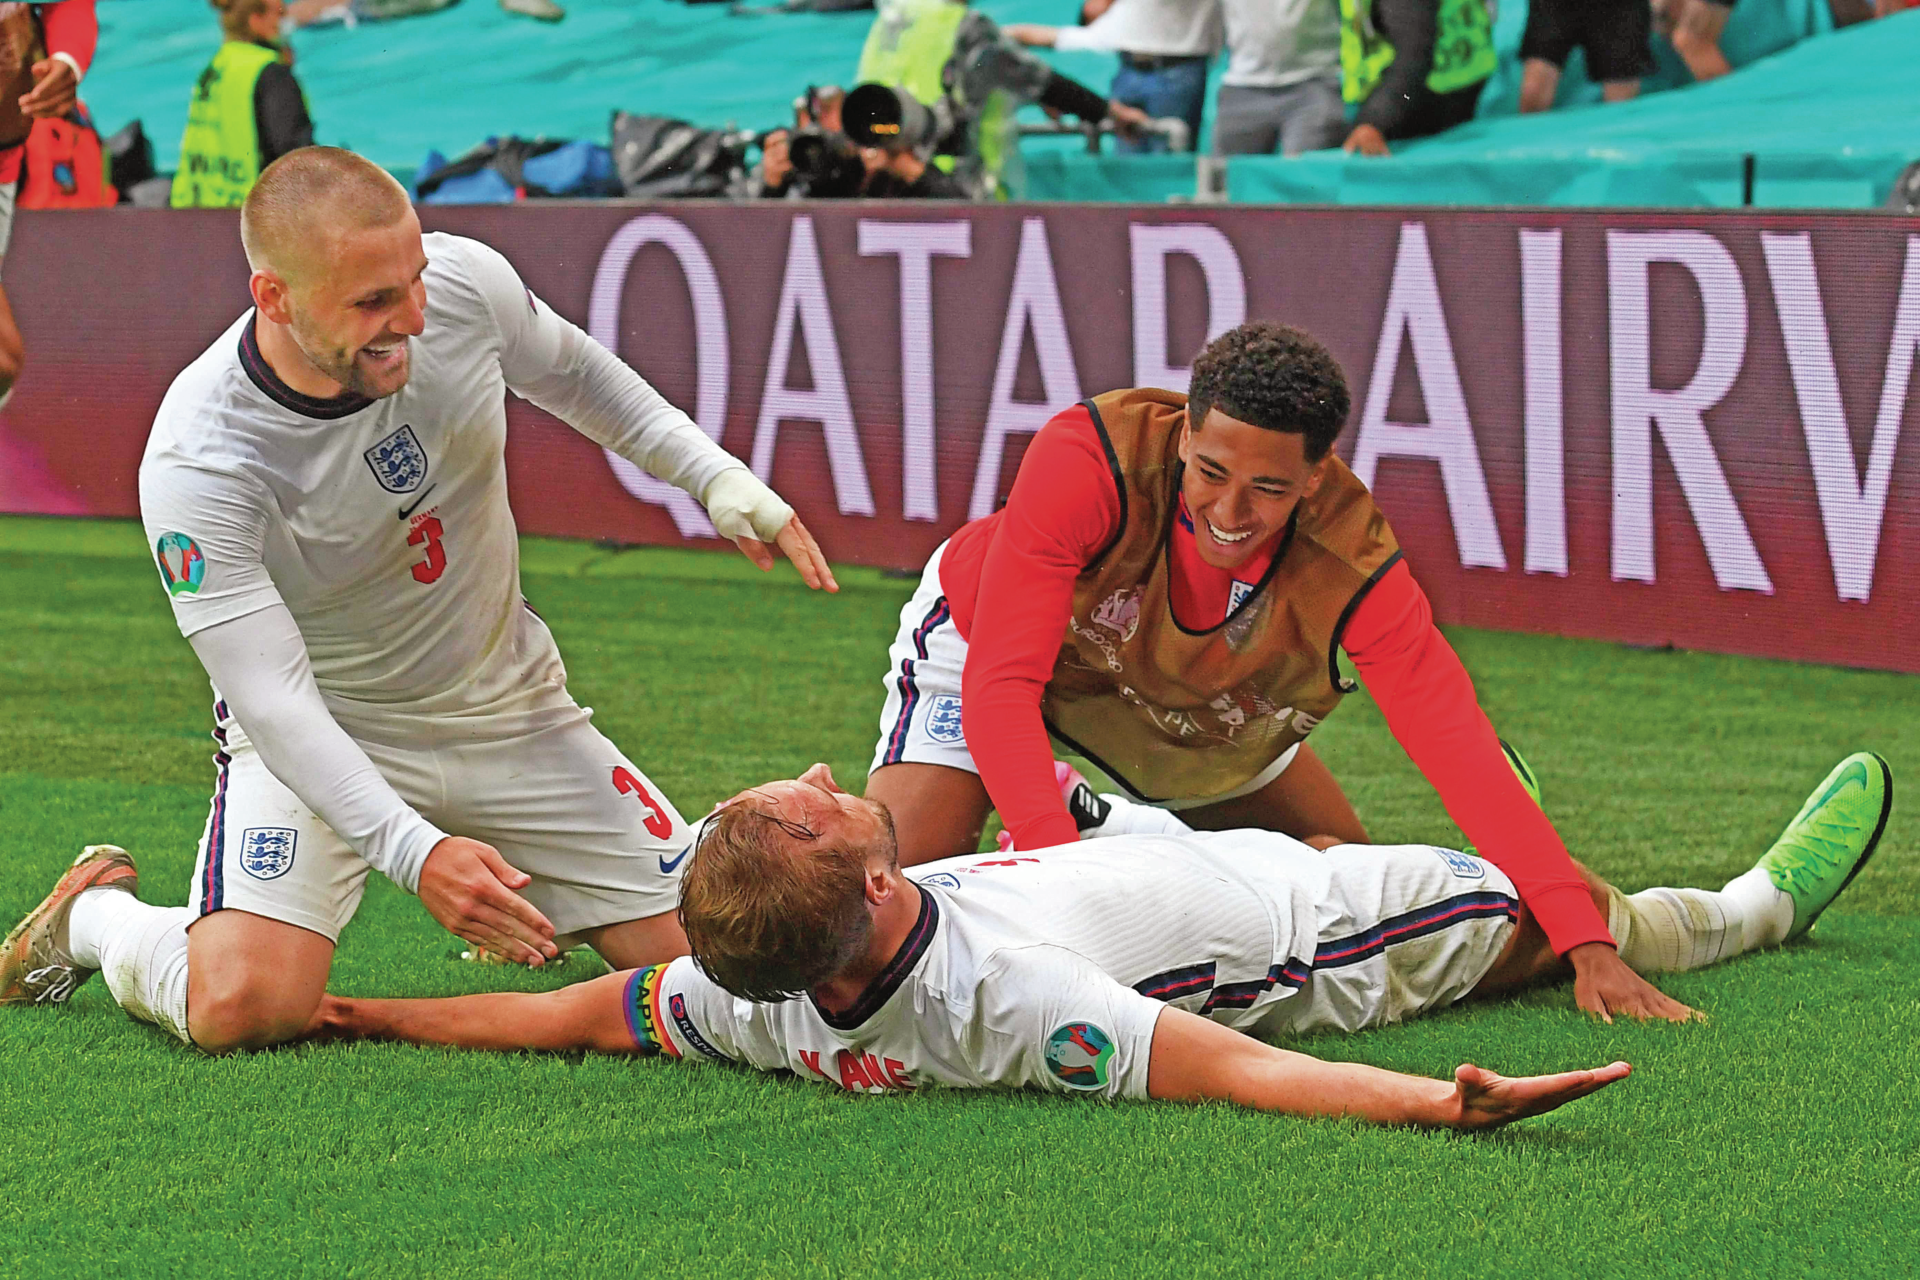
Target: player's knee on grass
<point>639,943</point>
<point>253,1012</point>
<point>252,982</point>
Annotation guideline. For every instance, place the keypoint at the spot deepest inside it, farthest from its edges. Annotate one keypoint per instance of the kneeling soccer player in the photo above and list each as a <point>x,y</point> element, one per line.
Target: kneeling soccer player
<point>1168,591</point>
<point>326,488</point>
<point>1124,967</point>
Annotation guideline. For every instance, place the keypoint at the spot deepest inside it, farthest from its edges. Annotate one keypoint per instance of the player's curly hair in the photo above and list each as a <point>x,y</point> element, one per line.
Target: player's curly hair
<point>1273,376</point>
<point>769,907</point>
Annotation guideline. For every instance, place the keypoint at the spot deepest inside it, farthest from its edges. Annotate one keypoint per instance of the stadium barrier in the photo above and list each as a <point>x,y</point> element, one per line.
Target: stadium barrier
<point>1657,428</point>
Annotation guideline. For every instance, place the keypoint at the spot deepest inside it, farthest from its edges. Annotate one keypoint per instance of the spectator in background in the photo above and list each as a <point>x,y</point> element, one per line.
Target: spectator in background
<point>1281,91</point>
<point>46,89</point>
<point>1615,34</point>
<point>1164,48</point>
<point>1416,67</point>
<point>1695,27</point>
<point>246,110</point>
<point>958,61</point>
<point>880,175</point>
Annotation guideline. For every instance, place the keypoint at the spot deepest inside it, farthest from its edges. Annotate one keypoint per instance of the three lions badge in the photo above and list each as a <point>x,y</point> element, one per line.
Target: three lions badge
<point>266,853</point>
<point>399,462</point>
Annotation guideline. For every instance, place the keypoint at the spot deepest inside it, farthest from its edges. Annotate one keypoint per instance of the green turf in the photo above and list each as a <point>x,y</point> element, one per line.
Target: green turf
<point>1781,1137</point>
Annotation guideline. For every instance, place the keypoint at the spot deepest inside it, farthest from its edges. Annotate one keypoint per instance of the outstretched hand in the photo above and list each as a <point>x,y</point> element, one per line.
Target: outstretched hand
<point>1484,1099</point>
<point>1604,985</point>
<point>799,547</point>
<point>469,888</point>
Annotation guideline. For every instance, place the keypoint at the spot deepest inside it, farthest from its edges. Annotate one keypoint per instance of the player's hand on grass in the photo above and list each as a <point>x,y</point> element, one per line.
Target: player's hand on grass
<point>469,888</point>
<point>55,90</point>
<point>1604,985</point>
<point>1484,1099</point>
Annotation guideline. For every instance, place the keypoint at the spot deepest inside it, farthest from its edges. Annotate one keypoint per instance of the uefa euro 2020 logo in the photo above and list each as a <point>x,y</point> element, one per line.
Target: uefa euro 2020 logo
<point>1080,1055</point>
<point>182,567</point>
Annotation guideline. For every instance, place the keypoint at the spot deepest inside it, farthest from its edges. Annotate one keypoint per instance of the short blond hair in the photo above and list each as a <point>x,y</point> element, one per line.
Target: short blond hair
<point>236,14</point>
<point>306,196</point>
<point>771,908</point>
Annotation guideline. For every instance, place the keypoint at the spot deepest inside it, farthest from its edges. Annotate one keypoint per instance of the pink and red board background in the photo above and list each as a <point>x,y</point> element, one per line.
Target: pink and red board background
<point>1658,428</point>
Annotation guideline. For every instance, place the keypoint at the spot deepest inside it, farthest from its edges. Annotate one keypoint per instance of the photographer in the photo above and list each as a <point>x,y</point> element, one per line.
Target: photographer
<point>816,159</point>
<point>964,72</point>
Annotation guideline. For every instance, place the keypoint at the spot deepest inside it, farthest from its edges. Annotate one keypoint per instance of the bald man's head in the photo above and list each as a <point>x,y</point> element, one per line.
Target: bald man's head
<point>307,200</point>
<point>338,272</point>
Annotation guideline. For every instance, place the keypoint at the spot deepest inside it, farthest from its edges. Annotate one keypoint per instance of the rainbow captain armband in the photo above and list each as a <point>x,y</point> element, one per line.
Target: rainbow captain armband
<point>642,1007</point>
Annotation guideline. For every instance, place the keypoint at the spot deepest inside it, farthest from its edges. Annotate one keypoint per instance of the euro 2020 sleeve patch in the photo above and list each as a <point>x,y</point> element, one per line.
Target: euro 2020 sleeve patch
<point>1080,1055</point>
<point>182,567</point>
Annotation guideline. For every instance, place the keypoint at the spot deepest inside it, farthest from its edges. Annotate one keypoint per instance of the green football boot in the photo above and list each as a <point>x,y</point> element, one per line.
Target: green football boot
<point>1831,838</point>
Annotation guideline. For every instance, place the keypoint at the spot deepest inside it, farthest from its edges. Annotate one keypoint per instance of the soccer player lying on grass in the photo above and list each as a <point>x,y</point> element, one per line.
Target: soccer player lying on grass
<point>326,489</point>
<point>1124,967</point>
<point>1168,590</point>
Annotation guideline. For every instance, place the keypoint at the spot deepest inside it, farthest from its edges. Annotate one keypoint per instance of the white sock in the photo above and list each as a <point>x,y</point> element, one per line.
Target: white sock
<point>98,914</point>
<point>1766,912</point>
<point>140,950</point>
<point>1131,818</point>
<point>1671,930</point>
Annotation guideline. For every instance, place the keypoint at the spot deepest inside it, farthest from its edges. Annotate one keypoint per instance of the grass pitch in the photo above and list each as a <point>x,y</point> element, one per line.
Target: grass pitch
<point>1781,1137</point>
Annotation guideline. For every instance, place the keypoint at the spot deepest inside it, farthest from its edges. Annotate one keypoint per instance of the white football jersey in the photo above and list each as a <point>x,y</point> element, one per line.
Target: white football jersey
<point>1047,969</point>
<point>383,525</point>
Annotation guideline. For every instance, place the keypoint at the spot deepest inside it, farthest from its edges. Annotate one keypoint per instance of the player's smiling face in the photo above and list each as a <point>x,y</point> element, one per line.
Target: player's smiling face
<point>1241,484</point>
<point>353,319</point>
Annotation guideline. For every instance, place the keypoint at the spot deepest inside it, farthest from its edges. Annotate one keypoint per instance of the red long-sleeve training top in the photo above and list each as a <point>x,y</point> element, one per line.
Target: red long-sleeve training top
<point>1015,571</point>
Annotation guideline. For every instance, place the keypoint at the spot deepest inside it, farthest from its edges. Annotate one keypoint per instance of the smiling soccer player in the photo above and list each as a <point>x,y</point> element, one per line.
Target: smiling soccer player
<point>326,491</point>
<point>1167,591</point>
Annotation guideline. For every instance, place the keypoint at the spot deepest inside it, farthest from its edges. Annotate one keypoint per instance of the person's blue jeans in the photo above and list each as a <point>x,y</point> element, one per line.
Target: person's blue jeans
<point>1177,89</point>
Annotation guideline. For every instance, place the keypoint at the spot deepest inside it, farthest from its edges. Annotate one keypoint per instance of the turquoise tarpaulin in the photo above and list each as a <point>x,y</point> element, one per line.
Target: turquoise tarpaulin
<point>1828,121</point>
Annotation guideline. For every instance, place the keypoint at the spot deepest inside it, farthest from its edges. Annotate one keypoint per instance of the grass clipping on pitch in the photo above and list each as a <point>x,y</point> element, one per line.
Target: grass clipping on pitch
<point>1783,1135</point>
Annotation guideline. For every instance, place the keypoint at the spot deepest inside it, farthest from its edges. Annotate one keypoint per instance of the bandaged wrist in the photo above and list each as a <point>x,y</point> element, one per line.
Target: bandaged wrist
<point>742,507</point>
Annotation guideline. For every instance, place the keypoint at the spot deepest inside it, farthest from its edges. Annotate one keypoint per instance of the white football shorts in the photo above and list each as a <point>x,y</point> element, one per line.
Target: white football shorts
<point>1403,929</point>
<point>920,720</point>
<point>560,802</point>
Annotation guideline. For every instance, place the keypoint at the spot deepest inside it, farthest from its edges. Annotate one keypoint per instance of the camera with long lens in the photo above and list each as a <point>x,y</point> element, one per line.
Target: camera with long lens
<point>876,115</point>
<point>826,165</point>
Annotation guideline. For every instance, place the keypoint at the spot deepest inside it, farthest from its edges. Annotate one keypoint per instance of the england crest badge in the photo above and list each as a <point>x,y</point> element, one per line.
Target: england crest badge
<point>943,719</point>
<point>266,853</point>
<point>398,462</point>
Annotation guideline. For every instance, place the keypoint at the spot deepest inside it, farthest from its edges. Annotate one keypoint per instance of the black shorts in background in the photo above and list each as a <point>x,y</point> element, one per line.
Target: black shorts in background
<point>1615,34</point>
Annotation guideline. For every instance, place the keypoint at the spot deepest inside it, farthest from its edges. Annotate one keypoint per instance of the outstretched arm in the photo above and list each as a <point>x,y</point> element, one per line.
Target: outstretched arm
<point>559,367</point>
<point>585,1016</point>
<point>1197,1060</point>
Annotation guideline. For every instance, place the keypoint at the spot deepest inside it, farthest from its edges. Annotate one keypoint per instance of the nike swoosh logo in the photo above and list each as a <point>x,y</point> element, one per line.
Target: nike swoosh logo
<point>405,512</point>
<point>1858,770</point>
<point>668,868</point>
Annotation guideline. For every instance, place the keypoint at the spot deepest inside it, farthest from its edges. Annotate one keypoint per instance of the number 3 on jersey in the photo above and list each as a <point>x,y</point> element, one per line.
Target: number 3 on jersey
<point>426,531</point>
<point>659,825</point>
